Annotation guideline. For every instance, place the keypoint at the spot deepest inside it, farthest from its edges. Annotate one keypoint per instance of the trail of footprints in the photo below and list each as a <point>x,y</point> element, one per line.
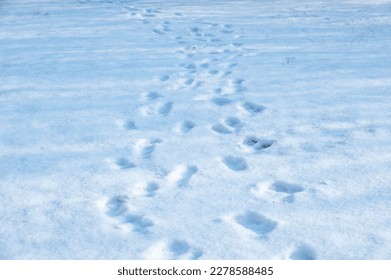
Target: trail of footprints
<point>206,39</point>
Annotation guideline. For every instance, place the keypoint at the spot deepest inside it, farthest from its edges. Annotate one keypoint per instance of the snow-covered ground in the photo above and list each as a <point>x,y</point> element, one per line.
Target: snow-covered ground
<point>195,129</point>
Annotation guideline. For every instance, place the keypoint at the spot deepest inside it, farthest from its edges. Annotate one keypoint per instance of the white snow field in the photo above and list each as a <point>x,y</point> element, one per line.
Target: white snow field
<point>195,129</point>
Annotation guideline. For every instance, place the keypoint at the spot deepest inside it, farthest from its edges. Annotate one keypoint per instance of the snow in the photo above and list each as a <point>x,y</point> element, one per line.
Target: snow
<point>195,129</point>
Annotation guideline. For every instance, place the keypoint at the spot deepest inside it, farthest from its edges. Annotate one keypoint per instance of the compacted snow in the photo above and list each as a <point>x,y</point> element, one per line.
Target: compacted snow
<point>195,129</point>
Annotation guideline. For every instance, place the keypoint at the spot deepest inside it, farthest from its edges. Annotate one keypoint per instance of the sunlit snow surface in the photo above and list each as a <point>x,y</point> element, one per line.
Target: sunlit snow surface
<point>195,129</point>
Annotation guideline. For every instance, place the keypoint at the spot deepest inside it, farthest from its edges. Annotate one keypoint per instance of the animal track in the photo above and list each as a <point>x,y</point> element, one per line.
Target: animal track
<point>252,108</point>
<point>166,108</point>
<point>158,31</point>
<point>150,12</point>
<point>280,186</point>
<point>182,174</point>
<point>126,124</point>
<point>139,222</point>
<point>235,163</point>
<point>151,188</point>
<point>213,71</point>
<point>278,190</point>
<point>145,148</point>
<point>256,143</point>
<point>190,66</point>
<point>179,247</point>
<point>152,95</point>
<point>189,81</point>
<point>164,78</point>
<point>156,109</point>
<point>124,163</point>
<point>129,125</point>
<point>303,252</point>
<point>221,101</point>
<point>237,84</point>
<point>257,223</point>
<point>227,28</point>
<point>147,189</point>
<point>221,129</point>
<point>176,249</point>
<point>116,206</point>
<point>186,126</point>
<point>233,122</point>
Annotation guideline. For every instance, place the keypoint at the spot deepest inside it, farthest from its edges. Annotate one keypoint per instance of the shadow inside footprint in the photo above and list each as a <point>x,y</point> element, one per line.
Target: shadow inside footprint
<point>140,224</point>
<point>186,126</point>
<point>256,223</point>
<point>179,247</point>
<point>152,95</point>
<point>124,163</point>
<point>221,101</point>
<point>151,188</point>
<point>186,175</point>
<point>147,151</point>
<point>252,107</point>
<point>283,187</point>
<point>235,163</point>
<point>166,108</point>
<point>257,143</point>
<point>303,252</point>
<point>116,206</point>
<point>233,122</point>
<point>129,125</point>
<point>221,129</point>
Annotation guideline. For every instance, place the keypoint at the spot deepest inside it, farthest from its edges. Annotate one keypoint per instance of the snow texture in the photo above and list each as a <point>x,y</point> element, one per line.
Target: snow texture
<point>195,129</point>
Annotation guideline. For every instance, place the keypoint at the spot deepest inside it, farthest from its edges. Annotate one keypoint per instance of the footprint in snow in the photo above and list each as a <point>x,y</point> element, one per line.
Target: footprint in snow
<point>255,144</point>
<point>129,125</point>
<point>213,72</point>
<point>181,248</point>
<point>116,208</point>
<point>158,108</point>
<point>139,223</point>
<point>145,189</point>
<point>158,31</point>
<point>256,223</point>
<point>126,124</point>
<point>185,126</point>
<point>175,249</point>
<point>252,108</point>
<point>195,31</point>
<point>229,125</point>
<point>124,163</point>
<point>145,148</point>
<point>221,129</point>
<point>235,163</point>
<point>190,66</point>
<point>234,123</point>
<point>165,108</point>
<point>164,78</point>
<point>283,187</point>
<point>150,12</point>
<point>152,95</point>
<point>162,29</point>
<point>116,205</point>
<point>227,29</point>
<point>302,252</point>
<point>181,175</point>
<point>277,191</point>
<point>221,101</point>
